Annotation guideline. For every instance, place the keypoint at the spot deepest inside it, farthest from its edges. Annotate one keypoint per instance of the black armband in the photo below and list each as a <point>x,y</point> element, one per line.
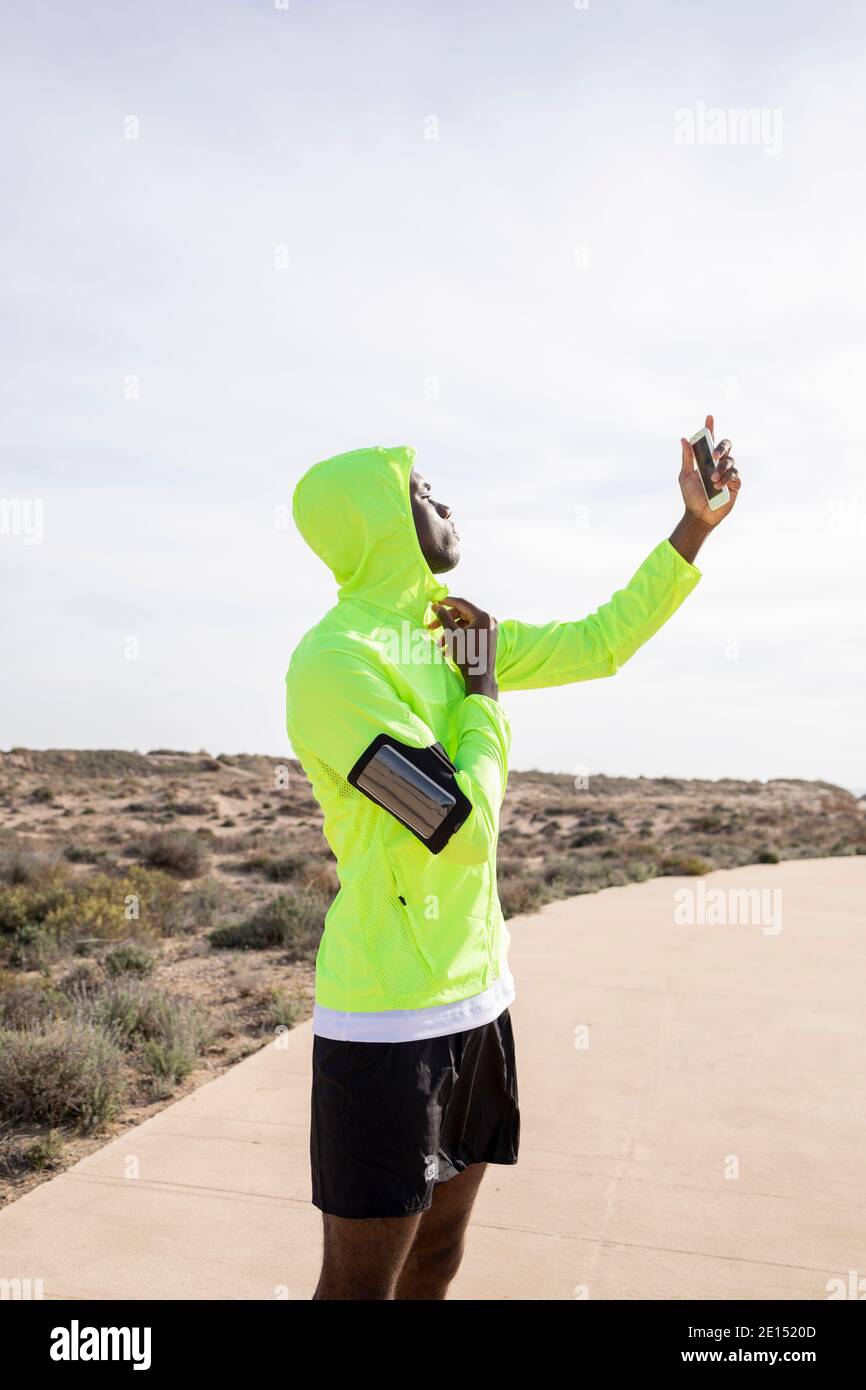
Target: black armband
<point>417,786</point>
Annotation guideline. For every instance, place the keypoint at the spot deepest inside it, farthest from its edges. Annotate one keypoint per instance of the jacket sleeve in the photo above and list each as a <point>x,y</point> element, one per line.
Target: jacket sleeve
<point>338,702</point>
<point>530,656</point>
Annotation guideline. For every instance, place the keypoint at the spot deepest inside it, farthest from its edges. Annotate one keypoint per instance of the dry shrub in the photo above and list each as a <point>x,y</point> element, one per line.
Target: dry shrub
<point>177,851</point>
<point>292,920</point>
<point>64,1072</point>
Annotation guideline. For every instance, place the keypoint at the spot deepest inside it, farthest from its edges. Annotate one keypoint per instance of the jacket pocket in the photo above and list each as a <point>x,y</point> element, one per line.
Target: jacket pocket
<point>398,962</point>
<point>447,910</point>
<point>408,905</point>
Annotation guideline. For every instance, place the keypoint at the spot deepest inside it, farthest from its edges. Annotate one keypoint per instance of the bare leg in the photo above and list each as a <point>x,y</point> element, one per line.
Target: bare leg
<point>437,1249</point>
<point>362,1259</point>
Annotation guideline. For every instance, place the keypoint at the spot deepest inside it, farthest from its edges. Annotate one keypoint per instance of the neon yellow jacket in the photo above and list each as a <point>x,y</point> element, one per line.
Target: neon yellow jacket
<point>409,929</point>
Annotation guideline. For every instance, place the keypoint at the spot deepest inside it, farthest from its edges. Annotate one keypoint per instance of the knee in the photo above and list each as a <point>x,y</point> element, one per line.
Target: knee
<point>438,1263</point>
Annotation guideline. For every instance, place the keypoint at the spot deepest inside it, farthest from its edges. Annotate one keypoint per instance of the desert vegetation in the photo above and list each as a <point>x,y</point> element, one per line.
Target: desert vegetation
<point>160,913</point>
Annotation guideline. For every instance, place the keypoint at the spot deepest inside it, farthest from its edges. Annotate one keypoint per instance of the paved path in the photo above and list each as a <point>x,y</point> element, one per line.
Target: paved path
<point>710,1048</point>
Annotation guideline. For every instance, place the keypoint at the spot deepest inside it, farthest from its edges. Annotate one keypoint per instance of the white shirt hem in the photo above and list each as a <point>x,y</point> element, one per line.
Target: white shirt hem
<point>411,1025</point>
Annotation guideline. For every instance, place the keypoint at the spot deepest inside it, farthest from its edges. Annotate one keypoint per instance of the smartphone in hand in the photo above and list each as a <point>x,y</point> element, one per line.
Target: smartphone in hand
<point>702,444</point>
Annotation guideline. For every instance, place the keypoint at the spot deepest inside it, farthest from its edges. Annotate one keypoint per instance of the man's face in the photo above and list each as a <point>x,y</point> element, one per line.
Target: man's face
<point>439,541</point>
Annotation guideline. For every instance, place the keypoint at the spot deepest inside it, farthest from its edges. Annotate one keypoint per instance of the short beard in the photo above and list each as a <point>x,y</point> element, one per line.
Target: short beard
<point>445,560</point>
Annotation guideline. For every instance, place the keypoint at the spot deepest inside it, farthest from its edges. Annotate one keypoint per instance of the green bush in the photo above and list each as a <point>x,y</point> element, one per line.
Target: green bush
<point>683,866</point>
<point>84,854</point>
<point>129,959</point>
<point>42,920</point>
<point>61,1073</point>
<point>33,948</point>
<point>587,837</point>
<point>45,1152</point>
<point>706,824</point>
<point>169,1032</point>
<point>639,870</point>
<point>132,1010</point>
<point>166,1034</point>
<point>101,907</point>
<point>283,1010</point>
<point>169,1063</point>
<point>293,921</point>
<point>25,905</point>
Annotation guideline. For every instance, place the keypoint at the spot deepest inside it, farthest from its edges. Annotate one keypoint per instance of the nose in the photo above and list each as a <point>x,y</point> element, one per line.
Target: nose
<point>444,509</point>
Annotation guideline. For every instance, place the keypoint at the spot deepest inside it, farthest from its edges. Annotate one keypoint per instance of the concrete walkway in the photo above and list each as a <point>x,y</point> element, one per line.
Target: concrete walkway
<point>708,1142</point>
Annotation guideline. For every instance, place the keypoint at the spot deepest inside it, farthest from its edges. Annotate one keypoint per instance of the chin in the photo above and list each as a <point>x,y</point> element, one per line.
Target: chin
<point>446,561</point>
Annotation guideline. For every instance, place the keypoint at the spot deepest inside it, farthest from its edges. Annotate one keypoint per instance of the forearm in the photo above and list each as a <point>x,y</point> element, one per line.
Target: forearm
<point>688,536</point>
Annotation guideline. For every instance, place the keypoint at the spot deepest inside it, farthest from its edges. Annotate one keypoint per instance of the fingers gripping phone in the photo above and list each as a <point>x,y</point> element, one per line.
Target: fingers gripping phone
<point>702,444</point>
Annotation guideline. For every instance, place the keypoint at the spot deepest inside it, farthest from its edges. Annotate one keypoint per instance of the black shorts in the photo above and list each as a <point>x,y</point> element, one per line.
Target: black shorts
<point>391,1120</point>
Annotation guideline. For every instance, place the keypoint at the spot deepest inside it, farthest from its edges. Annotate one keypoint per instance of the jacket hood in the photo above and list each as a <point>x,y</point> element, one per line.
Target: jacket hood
<point>354,511</point>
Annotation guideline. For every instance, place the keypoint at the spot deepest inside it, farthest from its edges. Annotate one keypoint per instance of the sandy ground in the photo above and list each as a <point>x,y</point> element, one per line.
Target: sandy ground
<point>692,1123</point>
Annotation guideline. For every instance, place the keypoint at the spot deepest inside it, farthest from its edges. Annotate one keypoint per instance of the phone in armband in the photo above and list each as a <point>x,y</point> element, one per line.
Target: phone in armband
<point>418,786</point>
<point>703,446</point>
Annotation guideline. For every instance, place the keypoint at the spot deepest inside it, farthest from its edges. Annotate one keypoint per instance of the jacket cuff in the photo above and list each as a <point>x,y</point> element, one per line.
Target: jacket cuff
<point>682,572</point>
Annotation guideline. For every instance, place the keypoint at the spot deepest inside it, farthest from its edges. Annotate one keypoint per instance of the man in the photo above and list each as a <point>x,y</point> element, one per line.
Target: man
<point>393,713</point>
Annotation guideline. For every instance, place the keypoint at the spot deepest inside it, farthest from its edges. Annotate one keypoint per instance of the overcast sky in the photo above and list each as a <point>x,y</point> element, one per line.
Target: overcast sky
<point>529,239</point>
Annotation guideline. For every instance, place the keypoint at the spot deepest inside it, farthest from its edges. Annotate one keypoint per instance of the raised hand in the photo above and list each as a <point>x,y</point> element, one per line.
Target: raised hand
<point>725,475</point>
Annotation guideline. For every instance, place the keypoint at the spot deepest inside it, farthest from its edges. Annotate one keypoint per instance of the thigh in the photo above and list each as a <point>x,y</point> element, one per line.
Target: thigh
<point>363,1258</point>
<point>444,1225</point>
